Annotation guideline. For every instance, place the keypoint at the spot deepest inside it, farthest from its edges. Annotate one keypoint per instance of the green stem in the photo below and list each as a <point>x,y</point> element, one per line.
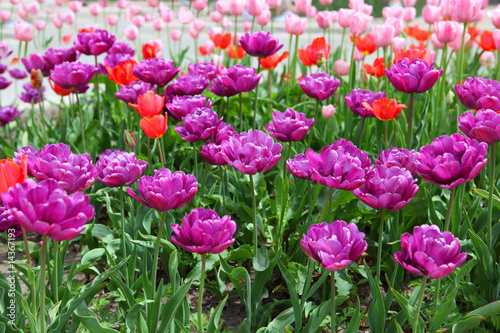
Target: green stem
<point>160,146</point>
<point>288,69</point>
<point>385,135</point>
<point>82,125</point>
<point>410,122</point>
<point>241,116</point>
<point>490,197</point>
<point>294,65</point>
<point>419,304</point>
<point>497,71</point>
<point>436,296</point>
<point>352,69</point>
<point>200,293</point>
<point>333,325</point>
<point>223,191</point>
<point>26,50</point>
<point>25,239</point>
<point>122,213</point>
<point>56,271</point>
<point>97,86</point>
<point>342,43</point>
<point>461,56</point>
<point>195,159</point>
<point>307,285</point>
<point>256,101</point>
<point>326,204</point>
<point>363,124</point>
<point>157,252</point>
<point>450,207</point>
<point>310,209</point>
<point>254,213</point>
<point>42,283</point>
<point>380,238</point>
<point>42,115</point>
<point>227,109</point>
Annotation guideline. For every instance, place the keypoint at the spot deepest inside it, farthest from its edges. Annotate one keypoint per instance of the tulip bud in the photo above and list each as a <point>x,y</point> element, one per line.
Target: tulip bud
<point>364,78</point>
<point>36,78</point>
<point>328,111</point>
<point>450,98</point>
<point>130,141</point>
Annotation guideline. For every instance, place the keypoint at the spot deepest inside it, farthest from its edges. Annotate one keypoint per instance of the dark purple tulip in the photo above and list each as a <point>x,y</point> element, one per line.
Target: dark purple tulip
<point>18,74</point>
<point>113,60</point>
<point>319,86</point>
<point>479,93</point>
<point>430,252</point>
<point>299,167</point>
<point>416,76</point>
<point>94,43</point>
<point>72,74</point>
<point>3,68</point>
<point>73,172</point>
<point>260,44</point>
<point>484,126</point>
<point>30,94</point>
<point>181,106</point>
<point>198,125</point>
<point>36,61</point>
<point>335,246</point>
<point>166,190</point>
<point>4,82</point>
<point>399,157</point>
<point>156,71</point>
<point>59,55</point>
<point>390,188</point>
<point>289,126</point>
<point>205,69</point>
<point>219,88</point>
<point>8,222</point>
<point>117,168</point>
<point>355,100</point>
<point>451,160</point>
<point>130,93</point>
<point>121,48</point>
<point>251,152</point>
<point>8,114</point>
<point>240,78</point>
<point>211,152</point>
<point>341,165</point>
<point>222,132</point>
<point>186,85</point>
<point>203,231</point>
<point>45,208</point>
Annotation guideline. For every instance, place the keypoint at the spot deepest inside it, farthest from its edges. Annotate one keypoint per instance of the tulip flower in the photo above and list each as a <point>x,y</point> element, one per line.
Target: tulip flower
<point>23,31</point>
<point>377,69</point>
<point>300,167</point>
<point>486,41</point>
<point>384,108</point>
<point>198,125</point>
<point>479,93</point>
<point>399,157</point>
<point>149,104</point>
<point>341,68</point>
<point>12,173</point>
<point>221,41</point>
<point>231,52</point>
<point>122,73</point>
<point>319,86</point>
<point>118,168</point>
<point>365,44</point>
<point>316,53</point>
<point>411,54</point>
<point>156,71</point>
<point>151,50</point>
<point>72,74</point>
<point>206,69</point>
<point>154,127</point>
<point>420,35</point>
<point>131,92</point>
<point>289,126</point>
<point>260,44</point>
<point>94,43</point>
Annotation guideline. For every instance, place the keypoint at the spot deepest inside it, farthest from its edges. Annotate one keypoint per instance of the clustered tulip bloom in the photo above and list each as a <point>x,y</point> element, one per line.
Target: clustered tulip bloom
<point>357,97</point>
<point>36,61</point>
<point>187,85</point>
<point>335,246</point>
<point>156,71</point>
<point>8,221</point>
<point>206,69</point>
<point>198,125</point>
<point>416,76</point>
<point>94,43</point>
<point>212,153</point>
<point>46,208</point>
<point>30,94</point>
<point>130,93</point>
<point>377,69</point>
<point>299,167</point>
<point>399,157</point>
<point>56,56</point>
<point>272,61</point>
<point>165,190</point>
<point>479,93</point>
<point>181,106</point>
<point>484,126</point>
<point>315,53</point>
<point>203,231</point>
<point>451,160</point>
<point>240,78</point>
<point>319,86</point>
<point>260,44</point>
<point>8,114</point>
<point>117,168</point>
<point>430,252</point>
<point>72,74</point>
<point>289,125</point>
<point>121,74</point>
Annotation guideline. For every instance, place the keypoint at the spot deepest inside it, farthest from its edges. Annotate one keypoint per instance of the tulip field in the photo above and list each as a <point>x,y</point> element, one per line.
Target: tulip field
<point>260,166</point>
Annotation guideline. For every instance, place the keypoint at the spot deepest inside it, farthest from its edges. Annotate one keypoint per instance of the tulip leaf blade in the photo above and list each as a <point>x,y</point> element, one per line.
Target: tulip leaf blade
<point>170,308</point>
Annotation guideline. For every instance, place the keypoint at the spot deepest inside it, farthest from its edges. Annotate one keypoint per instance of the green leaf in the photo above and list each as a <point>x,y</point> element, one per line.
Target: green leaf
<point>132,314</point>
<point>291,282</point>
<point>317,316</point>
<point>353,326</point>
<point>486,195</point>
<point>170,308</point>
<point>376,311</point>
<point>432,210</point>
<point>261,260</point>
<point>93,255</point>
<point>213,324</point>
<point>467,324</point>
<point>88,319</point>
<point>279,323</point>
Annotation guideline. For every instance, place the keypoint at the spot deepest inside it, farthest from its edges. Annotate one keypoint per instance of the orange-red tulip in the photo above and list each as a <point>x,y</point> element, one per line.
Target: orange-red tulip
<point>11,173</point>
<point>486,41</point>
<point>425,54</point>
<point>150,50</point>
<point>272,61</point>
<point>384,108</point>
<point>122,73</point>
<point>365,44</point>
<point>154,127</point>
<point>231,50</point>
<point>316,53</point>
<point>419,34</point>
<point>221,41</point>
<point>149,104</point>
<point>377,69</point>
<point>58,90</point>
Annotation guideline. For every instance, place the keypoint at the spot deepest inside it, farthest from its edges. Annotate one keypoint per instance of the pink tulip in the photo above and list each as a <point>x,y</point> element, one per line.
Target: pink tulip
<point>435,41</point>
<point>112,19</point>
<point>301,6</point>
<point>496,38</point>
<point>431,14</point>
<point>324,19</point>
<point>193,32</point>
<point>484,3</point>
<point>457,43</point>
<point>175,34</point>
<point>409,14</point>
<point>138,21</point>
<point>57,22</point>
<point>487,59</point>
<point>41,1</point>
<point>465,11</point>
<point>264,18</point>
<point>397,24</point>
<point>158,24</point>
<point>325,2</point>
<point>148,17</point>
<point>209,46</point>
<point>236,7</point>
<point>75,6</point>
<point>167,15</point>
<point>4,49</point>
<point>135,9</point>
<point>247,26</point>
<point>39,25</point>
<point>274,4</point>
<point>480,15</point>
<point>122,4</point>
<point>14,2</point>
<point>409,3</point>
<point>215,16</point>
<point>153,3</point>
<point>345,16</point>
<point>398,43</point>
<point>22,13</point>
<point>215,30</point>
<point>222,7</point>
<point>396,12</point>
<point>185,15</point>
<point>199,5</point>
<point>295,25</point>
<point>226,22</point>
<point>341,68</point>
<point>446,8</point>
<point>328,111</point>
<point>446,31</point>
<point>334,16</point>
<point>131,33</point>
<point>358,56</point>
<point>23,31</point>
<point>311,12</point>
<point>217,60</point>
<point>433,2</point>
<point>359,23</point>
<point>367,9</point>
<point>103,3</point>
<point>382,35</point>
<point>355,4</point>
<point>4,15</point>
<point>255,7</point>
<point>94,9</point>
<point>199,25</point>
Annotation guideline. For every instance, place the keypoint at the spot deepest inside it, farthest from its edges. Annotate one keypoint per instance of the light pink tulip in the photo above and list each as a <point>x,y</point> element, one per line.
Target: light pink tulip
<point>14,2</point>
<point>355,4</point>
<point>215,30</point>
<point>193,32</point>
<point>247,26</point>
<point>484,3</point>
<point>325,2</point>
<point>341,68</point>
<point>487,59</point>
<point>382,35</point>
<point>409,14</point>
<point>122,4</point>
<point>217,60</point>
<point>153,3</point>
<point>446,8</point>
<point>94,9</point>
<point>274,4</point>
<point>431,13</point>
<point>148,17</point>
<point>397,24</point>
<point>396,12</point>
<point>158,24</point>
<point>215,16</point>
<point>324,19</point>
<point>301,6</point>
<point>334,15</point>
<point>22,13</point>
<point>23,31</point>
<point>57,22</point>
<point>255,7</point>
<point>135,9</point>
<point>311,12</point>
<point>465,11</point>
<point>185,16</point>
<point>138,21</point>
<point>367,9</point>
<point>345,16</point>
<point>4,48</point>
<point>433,2</point>
<point>295,25</point>
<point>175,34</point>
<point>222,7</point>
<point>446,31</point>
<point>39,25</point>
<point>112,19</point>
<point>103,3</point>
<point>409,3</point>
<point>496,38</point>
<point>167,15</point>
<point>457,43</point>
<point>226,22</point>
<point>75,6</point>
<point>4,15</point>
<point>199,5</point>
<point>398,43</point>
<point>328,111</point>
<point>435,41</point>
<point>131,33</point>
<point>264,18</point>
<point>359,23</point>
<point>480,15</point>
<point>199,25</point>
<point>236,7</point>
<point>209,45</point>
<point>358,56</point>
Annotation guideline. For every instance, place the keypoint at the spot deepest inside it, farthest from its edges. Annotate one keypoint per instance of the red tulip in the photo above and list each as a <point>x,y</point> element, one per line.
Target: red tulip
<point>149,104</point>
<point>122,73</point>
<point>11,173</point>
<point>154,127</point>
<point>384,108</point>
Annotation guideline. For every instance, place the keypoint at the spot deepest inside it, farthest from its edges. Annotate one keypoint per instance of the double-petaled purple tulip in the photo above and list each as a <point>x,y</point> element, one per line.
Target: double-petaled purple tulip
<point>319,86</point>
<point>355,100</point>
<point>300,167</point>
<point>451,160</point>
<point>341,165</point>
<point>198,125</point>
<point>8,221</point>
<point>335,246</point>
<point>156,71</point>
<point>260,44</point>
<point>165,190</point>
<point>186,85</point>
<point>484,126</point>
<point>36,61</point>
<point>117,168</point>
<point>479,93</point>
<point>240,78</point>
<point>94,43</point>
<point>129,94</point>
<point>416,76</point>
<point>30,94</point>
<point>251,152</point>
<point>59,55</point>
<point>181,106</point>
<point>399,157</point>
<point>222,132</point>
<point>430,252</point>
<point>289,125</point>
<point>8,114</point>
<point>72,74</point>
<point>18,74</point>
<point>391,188</point>
<point>121,48</point>
<point>206,69</point>
<point>73,172</point>
<point>219,88</point>
<point>203,231</point>
<point>46,208</point>
<point>4,82</point>
<point>212,153</point>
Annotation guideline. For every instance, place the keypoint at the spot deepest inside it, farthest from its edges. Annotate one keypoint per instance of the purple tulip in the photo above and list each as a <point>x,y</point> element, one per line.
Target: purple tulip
<point>300,167</point>
<point>319,86</point>
<point>211,152</point>
<point>4,82</point>
<point>399,157</point>
<point>121,48</point>
<point>203,231</point>
<point>289,126</point>
<point>117,168</point>
<point>335,246</point>
<point>94,43</point>
<point>57,56</point>
<point>416,76</point>
<point>198,125</point>
<point>73,172</point>
<point>451,160</point>
<point>165,190</point>
<point>341,165</point>
<point>484,126</point>
<point>8,114</point>
<point>206,69</point>
<point>113,60</point>
<point>3,68</point>
<point>186,85</point>
<point>130,93</point>
<point>156,71</point>
<point>8,221</point>
<point>240,78</point>
<point>219,88</point>
<point>251,152</point>
<point>36,61</point>
<point>222,132</point>
<point>18,74</point>
<point>355,100</point>
<point>430,252</point>
<point>478,93</point>
<point>181,106</point>
<point>45,208</point>
<point>4,51</point>
<point>30,94</point>
<point>260,44</point>
<point>72,74</point>
<point>391,188</point>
